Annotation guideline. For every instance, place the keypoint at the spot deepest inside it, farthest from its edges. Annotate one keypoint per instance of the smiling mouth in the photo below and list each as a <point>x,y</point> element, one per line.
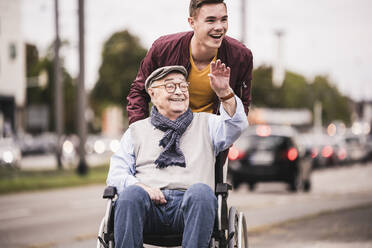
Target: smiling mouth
<point>216,36</point>
<point>177,100</point>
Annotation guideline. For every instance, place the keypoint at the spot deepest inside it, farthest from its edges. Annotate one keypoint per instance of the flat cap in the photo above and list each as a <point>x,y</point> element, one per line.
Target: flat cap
<point>162,72</point>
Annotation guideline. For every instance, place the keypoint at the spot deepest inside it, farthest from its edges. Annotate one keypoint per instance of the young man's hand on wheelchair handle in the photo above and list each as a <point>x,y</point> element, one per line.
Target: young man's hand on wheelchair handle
<point>155,194</point>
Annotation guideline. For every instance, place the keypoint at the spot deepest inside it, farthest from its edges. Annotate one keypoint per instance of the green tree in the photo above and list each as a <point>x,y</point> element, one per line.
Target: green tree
<point>297,92</point>
<point>44,95</point>
<point>32,61</point>
<point>264,94</point>
<point>335,106</point>
<point>121,57</point>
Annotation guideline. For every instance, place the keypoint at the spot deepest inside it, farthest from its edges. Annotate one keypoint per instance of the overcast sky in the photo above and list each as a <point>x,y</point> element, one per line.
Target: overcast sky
<point>328,37</point>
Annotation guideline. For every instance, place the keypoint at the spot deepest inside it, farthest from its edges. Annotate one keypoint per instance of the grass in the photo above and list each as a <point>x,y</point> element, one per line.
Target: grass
<point>12,180</point>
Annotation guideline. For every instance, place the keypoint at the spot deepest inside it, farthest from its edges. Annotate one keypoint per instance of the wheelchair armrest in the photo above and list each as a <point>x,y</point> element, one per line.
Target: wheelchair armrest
<point>223,189</point>
<point>109,193</point>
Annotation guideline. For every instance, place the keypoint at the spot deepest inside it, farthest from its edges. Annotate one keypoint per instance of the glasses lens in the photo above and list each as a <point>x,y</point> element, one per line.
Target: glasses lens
<point>170,87</point>
<point>184,86</point>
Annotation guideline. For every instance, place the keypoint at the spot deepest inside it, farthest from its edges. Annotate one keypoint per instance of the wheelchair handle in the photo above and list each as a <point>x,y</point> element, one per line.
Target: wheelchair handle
<point>109,192</point>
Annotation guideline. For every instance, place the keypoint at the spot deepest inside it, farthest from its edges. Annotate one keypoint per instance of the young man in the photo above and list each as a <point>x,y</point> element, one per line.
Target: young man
<point>167,187</point>
<point>195,50</point>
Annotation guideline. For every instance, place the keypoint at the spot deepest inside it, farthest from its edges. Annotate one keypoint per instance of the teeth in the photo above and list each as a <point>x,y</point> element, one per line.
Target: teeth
<point>216,36</point>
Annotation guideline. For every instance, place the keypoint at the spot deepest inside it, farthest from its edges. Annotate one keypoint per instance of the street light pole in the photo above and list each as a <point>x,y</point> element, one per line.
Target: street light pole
<point>278,74</point>
<point>82,168</point>
<point>58,90</point>
<point>243,21</point>
<point>318,117</point>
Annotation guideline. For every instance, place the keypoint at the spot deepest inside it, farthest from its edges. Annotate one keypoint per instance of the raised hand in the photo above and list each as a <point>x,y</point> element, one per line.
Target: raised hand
<point>219,78</point>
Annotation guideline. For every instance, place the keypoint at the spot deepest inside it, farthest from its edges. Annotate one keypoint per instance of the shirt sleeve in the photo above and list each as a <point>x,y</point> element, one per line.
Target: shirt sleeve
<point>246,79</point>
<point>122,165</point>
<point>224,130</point>
<point>138,99</point>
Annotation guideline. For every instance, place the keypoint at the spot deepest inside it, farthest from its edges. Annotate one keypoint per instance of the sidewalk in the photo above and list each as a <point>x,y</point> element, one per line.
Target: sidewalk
<point>262,218</point>
<point>49,162</point>
<point>339,229</point>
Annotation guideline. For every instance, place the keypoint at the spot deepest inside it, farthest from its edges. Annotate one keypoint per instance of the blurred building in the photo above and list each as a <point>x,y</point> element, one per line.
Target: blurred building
<point>362,117</point>
<point>12,66</point>
<point>300,118</point>
<point>363,111</point>
<point>112,122</point>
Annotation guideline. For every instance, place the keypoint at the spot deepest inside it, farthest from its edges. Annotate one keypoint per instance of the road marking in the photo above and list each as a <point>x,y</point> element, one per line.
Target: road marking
<point>46,245</point>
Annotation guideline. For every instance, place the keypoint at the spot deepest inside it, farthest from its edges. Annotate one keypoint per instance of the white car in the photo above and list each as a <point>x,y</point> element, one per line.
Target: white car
<point>10,153</point>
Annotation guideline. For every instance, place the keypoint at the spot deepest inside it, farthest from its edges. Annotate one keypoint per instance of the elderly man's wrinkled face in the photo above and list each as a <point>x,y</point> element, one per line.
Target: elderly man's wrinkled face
<point>170,95</point>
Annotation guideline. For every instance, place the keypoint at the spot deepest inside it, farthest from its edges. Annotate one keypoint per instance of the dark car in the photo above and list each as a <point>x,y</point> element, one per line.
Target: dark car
<point>368,146</point>
<point>269,154</point>
<point>326,151</point>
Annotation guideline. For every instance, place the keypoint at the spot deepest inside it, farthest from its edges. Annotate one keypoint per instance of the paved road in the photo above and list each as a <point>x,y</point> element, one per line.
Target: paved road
<point>50,219</point>
<point>337,229</point>
<point>70,217</point>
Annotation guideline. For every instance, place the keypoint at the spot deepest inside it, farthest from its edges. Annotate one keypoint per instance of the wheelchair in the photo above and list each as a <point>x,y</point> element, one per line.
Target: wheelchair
<point>230,228</point>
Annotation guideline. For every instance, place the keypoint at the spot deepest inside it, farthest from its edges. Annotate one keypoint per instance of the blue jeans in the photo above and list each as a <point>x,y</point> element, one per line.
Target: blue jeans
<point>191,212</point>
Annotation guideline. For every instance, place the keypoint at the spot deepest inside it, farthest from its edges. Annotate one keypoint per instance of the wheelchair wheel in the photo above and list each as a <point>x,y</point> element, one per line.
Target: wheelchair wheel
<point>101,233</point>
<point>105,233</point>
<point>237,226</point>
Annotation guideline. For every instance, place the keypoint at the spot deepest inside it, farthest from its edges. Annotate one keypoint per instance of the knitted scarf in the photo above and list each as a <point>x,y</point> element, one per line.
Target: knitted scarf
<point>172,154</point>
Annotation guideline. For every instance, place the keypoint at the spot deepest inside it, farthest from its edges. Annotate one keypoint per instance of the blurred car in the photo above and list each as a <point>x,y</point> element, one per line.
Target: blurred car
<point>268,154</point>
<point>70,145</point>
<point>97,144</point>
<point>326,151</point>
<point>341,154</point>
<point>312,145</point>
<point>10,153</point>
<point>356,148</point>
<point>37,144</point>
<point>368,147</point>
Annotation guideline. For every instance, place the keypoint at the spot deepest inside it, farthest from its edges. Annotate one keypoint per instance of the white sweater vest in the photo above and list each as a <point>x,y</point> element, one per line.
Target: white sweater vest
<point>196,145</point>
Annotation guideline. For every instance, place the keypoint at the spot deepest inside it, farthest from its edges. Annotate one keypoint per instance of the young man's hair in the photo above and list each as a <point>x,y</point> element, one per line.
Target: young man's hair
<point>196,4</point>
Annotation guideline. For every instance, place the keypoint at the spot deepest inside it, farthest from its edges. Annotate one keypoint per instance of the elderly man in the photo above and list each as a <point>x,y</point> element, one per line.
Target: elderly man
<point>164,169</point>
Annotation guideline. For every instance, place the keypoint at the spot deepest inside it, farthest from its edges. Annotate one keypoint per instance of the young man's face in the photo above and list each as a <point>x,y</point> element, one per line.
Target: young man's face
<point>210,25</point>
<point>170,105</point>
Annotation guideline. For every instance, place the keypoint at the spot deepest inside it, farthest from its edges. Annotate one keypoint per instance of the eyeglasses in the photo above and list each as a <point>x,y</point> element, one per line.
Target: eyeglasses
<point>171,86</point>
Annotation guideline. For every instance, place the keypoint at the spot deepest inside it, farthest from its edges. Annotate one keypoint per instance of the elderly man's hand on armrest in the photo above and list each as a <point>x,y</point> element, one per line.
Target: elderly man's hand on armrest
<point>219,79</point>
